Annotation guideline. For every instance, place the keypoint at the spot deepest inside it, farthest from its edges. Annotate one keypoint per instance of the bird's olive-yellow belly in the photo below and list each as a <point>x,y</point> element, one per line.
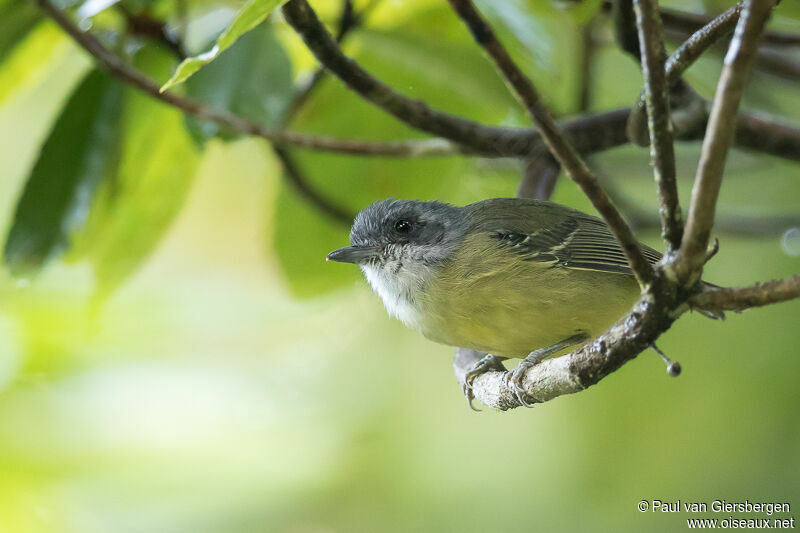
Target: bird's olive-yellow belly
<point>511,314</point>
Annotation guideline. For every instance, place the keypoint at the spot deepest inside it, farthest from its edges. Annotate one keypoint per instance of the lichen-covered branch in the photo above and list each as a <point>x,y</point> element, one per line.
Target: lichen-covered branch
<point>574,372</point>
<point>656,90</point>
<point>719,136</point>
<point>740,298</point>
<point>558,144</point>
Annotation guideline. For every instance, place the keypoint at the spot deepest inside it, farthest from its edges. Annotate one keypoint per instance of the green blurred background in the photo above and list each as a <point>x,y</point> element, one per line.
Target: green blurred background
<point>190,363</point>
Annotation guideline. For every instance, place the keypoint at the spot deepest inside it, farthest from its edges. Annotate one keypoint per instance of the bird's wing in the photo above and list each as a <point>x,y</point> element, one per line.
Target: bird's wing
<point>561,236</point>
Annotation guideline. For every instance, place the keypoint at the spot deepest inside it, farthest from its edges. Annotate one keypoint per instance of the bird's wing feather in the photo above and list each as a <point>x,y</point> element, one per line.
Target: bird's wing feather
<point>547,232</point>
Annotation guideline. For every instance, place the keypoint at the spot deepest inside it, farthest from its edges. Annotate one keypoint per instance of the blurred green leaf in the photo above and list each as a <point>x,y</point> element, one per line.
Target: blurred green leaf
<point>543,40</point>
<point>248,17</point>
<point>16,20</point>
<point>252,79</point>
<point>132,212</point>
<point>581,11</point>
<point>449,74</point>
<point>80,152</point>
<point>37,52</point>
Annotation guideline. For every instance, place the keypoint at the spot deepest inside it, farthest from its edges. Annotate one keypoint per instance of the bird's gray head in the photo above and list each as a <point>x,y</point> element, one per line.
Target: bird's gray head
<point>402,233</point>
<point>399,245</point>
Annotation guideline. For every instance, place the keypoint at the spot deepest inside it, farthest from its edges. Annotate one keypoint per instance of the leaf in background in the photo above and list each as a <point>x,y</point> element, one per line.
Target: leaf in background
<point>39,51</point>
<point>80,152</point>
<point>16,20</point>
<point>447,73</point>
<point>543,40</point>
<point>158,161</point>
<point>248,17</point>
<point>581,11</point>
<point>252,79</point>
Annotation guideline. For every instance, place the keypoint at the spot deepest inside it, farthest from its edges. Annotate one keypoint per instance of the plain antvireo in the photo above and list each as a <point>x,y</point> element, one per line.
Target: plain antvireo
<point>507,276</point>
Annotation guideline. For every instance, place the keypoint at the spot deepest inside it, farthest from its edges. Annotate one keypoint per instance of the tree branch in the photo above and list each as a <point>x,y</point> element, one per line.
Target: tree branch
<point>719,135</point>
<point>584,367</point>
<point>589,133</point>
<point>559,146</point>
<point>740,298</point>
<point>129,75</point>
<point>539,176</point>
<point>690,22</point>
<point>306,191</point>
<point>656,89</point>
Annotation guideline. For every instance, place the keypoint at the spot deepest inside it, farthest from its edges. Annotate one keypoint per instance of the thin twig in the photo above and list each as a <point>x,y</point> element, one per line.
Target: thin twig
<point>641,218</point>
<point>656,89</point>
<point>770,58</point>
<point>302,187</point>
<point>415,113</point>
<point>348,20</point>
<point>688,52</point>
<point>740,298</point>
<point>589,133</point>
<point>586,67</point>
<point>559,146</point>
<point>690,22</point>
<point>144,24</point>
<point>129,75</point>
<point>719,135</point>
<point>539,176</point>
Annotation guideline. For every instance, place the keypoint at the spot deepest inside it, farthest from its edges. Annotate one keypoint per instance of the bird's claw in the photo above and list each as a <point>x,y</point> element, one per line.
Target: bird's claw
<point>513,380</point>
<point>485,364</point>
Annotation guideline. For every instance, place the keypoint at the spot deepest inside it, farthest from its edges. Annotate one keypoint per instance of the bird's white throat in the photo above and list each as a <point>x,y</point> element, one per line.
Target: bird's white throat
<point>400,288</point>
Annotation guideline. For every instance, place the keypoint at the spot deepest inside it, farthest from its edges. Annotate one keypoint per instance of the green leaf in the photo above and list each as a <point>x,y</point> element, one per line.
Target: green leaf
<point>16,20</point>
<point>248,17</point>
<point>40,51</point>
<point>80,152</point>
<point>131,213</point>
<point>252,79</point>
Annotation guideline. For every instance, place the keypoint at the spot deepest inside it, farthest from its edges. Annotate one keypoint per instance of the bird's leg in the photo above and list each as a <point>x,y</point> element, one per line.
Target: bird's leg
<point>485,364</point>
<point>513,378</point>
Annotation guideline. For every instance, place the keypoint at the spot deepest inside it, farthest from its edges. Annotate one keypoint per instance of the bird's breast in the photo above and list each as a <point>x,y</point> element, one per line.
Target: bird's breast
<point>397,289</point>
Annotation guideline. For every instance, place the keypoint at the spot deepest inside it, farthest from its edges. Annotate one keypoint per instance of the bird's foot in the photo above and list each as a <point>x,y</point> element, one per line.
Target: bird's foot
<point>513,380</point>
<point>485,364</point>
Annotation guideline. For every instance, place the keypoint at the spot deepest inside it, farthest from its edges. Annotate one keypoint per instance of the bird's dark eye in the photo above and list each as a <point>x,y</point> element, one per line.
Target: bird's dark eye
<point>402,226</point>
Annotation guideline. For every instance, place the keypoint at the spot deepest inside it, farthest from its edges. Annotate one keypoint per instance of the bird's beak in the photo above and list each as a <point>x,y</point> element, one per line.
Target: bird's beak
<point>352,254</point>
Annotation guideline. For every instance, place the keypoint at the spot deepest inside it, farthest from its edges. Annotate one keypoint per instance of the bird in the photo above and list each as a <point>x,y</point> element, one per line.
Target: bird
<point>511,277</point>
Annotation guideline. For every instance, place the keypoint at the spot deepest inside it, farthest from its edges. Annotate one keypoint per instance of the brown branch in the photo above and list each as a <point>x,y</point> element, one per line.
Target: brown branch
<point>586,66</point>
<point>688,52</point>
<point>584,367</point>
<point>765,133</point>
<point>662,149</point>
<point>415,113</point>
<point>769,58</point>
<point>306,191</point>
<point>700,41</point>
<point>589,133</point>
<point>131,76</point>
<point>539,176</point>
<point>719,135</point>
<point>687,22</point>
<point>145,25</point>
<point>558,144</point>
<point>348,21</point>
<point>740,298</point>
<point>642,218</point>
